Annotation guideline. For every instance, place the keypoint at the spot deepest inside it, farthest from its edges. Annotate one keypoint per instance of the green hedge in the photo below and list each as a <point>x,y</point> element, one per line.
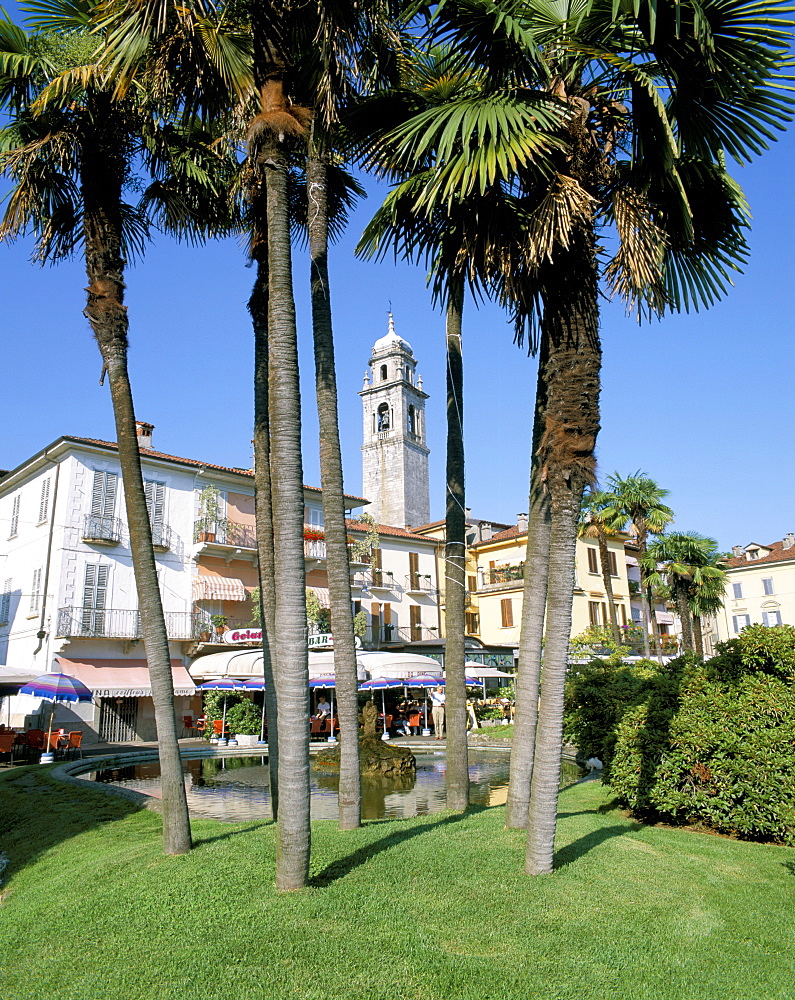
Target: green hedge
<point>709,742</point>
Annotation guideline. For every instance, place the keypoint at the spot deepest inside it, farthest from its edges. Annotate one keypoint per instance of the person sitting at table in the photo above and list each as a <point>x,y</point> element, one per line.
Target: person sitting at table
<point>322,709</point>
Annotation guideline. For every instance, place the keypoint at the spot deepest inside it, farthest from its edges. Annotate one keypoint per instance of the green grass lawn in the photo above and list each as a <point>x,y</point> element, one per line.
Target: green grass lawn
<point>435,908</point>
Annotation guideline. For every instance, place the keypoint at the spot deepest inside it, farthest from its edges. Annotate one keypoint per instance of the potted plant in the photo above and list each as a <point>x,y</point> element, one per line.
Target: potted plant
<point>209,514</point>
<point>219,623</point>
<point>245,720</point>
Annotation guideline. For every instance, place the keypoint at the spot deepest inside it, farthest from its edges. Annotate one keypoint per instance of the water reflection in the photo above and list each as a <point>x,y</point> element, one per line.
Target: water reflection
<point>236,789</point>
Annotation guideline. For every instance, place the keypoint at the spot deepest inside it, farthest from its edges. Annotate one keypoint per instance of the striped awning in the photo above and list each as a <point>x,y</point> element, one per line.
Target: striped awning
<point>322,595</point>
<point>124,678</point>
<point>218,588</point>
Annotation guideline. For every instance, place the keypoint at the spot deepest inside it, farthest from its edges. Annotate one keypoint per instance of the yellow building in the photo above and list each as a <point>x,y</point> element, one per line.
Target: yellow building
<point>760,587</point>
<point>497,585</point>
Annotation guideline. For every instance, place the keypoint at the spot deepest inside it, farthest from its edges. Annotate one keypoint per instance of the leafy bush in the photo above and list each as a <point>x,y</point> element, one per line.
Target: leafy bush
<point>244,718</point>
<point>709,742</point>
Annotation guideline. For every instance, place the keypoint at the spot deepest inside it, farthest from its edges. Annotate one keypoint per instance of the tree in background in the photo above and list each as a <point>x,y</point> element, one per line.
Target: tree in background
<point>595,523</point>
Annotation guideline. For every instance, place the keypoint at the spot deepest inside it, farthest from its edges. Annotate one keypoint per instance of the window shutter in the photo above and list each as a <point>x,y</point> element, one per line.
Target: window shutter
<point>611,558</point>
<point>737,590</point>
<point>35,591</point>
<point>103,496</point>
<point>14,516</point>
<point>593,566</point>
<point>95,593</point>
<point>767,586</point>
<point>44,502</point>
<point>155,502</point>
<point>506,608</point>
<point>771,618</point>
<point>5,603</point>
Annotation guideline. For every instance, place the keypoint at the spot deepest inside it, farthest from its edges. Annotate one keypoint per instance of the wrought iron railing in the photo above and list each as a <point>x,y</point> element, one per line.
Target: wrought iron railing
<point>107,530</point>
<point>111,623</point>
<point>161,537</point>
<point>506,574</point>
<point>420,583</point>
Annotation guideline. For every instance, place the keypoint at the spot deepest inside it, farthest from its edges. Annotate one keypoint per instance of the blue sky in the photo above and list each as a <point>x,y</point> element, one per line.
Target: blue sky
<point>699,402</point>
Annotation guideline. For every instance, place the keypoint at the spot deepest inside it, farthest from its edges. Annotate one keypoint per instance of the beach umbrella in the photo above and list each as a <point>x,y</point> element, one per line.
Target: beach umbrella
<point>425,681</point>
<point>383,684</point>
<point>326,683</point>
<point>224,684</point>
<point>56,687</point>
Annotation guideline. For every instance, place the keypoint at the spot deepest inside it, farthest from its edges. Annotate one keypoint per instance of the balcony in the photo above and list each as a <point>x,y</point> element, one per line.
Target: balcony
<point>109,623</point>
<point>379,579</point>
<point>419,583</point>
<point>503,578</point>
<point>161,537</point>
<point>381,635</point>
<point>101,530</point>
<point>225,532</point>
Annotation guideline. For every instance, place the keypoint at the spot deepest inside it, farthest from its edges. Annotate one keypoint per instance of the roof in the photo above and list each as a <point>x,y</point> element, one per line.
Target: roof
<point>502,536</point>
<point>388,529</point>
<point>195,463</point>
<point>777,554</point>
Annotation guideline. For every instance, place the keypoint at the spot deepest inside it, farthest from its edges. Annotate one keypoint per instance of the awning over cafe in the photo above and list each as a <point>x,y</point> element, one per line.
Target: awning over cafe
<point>123,678</point>
<point>399,665</point>
<point>218,588</point>
<point>478,670</point>
<point>243,663</point>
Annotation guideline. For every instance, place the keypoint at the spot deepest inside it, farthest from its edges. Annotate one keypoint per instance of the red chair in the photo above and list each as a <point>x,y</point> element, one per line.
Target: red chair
<point>36,739</point>
<point>7,744</point>
<point>317,727</point>
<point>218,728</point>
<point>187,723</point>
<point>73,743</point>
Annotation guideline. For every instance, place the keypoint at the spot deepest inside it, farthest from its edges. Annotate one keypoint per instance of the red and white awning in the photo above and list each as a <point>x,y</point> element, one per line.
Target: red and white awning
<point>218,588</point>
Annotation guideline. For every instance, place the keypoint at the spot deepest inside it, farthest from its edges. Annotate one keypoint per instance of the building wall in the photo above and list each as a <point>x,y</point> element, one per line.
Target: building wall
<point>499,598</point>
<point>756,602</point>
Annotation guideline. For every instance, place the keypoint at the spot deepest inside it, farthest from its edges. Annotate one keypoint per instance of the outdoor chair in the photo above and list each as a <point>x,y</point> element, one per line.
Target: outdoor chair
<point>188,724</point>
<point>316,727</point>
<point>218,726</point>
<point>7,744</point>
<point>73,745</point>
<point>36,739</point>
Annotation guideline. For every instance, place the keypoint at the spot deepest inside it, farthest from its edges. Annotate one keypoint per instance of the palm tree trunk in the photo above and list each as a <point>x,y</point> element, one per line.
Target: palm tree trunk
<point>102,171</point>
<point>531,637</point>
<point>335,526</point>
<point>258,307</point>
<point>682,606</point>
<point>604,559</point>
<point>571,424</point>
<point>646,608</point>
<point>549,739</point>
<point>457,773</point>
<point>698,636</point>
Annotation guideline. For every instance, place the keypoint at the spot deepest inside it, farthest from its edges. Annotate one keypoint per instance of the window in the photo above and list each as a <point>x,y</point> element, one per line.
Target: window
<point>375,563</point>
<point>415,621</point>
<point>414,570</point>
<point>611,558</point>
<point>386,617</point>
<point>472,622</point>
<point>593,560</point>
<point>103,494</point>
<point>384,373</point>
<point>35,592</point>
<point>383,418</point>
<point>5,603</point>
<point>622,612</point>
<point>767,585</point>
<point>14,517</point>
<point>737,590</point>
<point>95,595</point>
<point>771,618</point>
<point>44,500</point>
<point>506,610</point>
<point>411,421</point>
<point>472,584</point>
<point>155,502</point>
<point>594,613</point>
<point>637,615</point>
<point>739,622</point>
<point>313,516</point>
<point>753,553</point>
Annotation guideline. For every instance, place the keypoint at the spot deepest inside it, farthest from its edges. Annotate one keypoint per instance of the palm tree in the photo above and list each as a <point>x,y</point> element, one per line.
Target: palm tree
<point>648,100</point>
<point>596,523</point>
<point>638,500</point>
<point>688,563</point>
<point>70,151</point>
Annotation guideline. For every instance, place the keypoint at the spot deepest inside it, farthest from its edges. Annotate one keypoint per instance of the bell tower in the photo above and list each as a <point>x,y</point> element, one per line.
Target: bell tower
<point>394,452</point>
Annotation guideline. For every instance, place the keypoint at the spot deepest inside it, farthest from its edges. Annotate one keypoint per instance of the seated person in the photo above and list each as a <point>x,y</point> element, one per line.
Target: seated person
<point>322,709</point>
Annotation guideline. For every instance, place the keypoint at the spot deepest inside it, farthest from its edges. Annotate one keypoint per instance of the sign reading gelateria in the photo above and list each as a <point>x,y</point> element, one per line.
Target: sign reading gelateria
<point>235,636</point>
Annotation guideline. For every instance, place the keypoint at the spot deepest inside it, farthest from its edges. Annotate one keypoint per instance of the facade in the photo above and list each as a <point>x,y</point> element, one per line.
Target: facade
<point>68,600</point>
<point>496,585</point>
<point>760,587</point>
<point>394,448</point>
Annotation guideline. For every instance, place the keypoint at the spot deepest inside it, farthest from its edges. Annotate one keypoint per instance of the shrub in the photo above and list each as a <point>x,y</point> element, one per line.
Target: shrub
<point>709,742</point>
<point>244,719</point>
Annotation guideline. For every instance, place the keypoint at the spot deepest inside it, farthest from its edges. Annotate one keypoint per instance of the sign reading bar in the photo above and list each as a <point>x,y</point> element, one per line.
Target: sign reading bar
<point>320,639</point>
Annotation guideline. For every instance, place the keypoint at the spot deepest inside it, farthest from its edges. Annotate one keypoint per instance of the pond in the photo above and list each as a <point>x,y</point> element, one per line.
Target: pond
<point>236,789</point>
